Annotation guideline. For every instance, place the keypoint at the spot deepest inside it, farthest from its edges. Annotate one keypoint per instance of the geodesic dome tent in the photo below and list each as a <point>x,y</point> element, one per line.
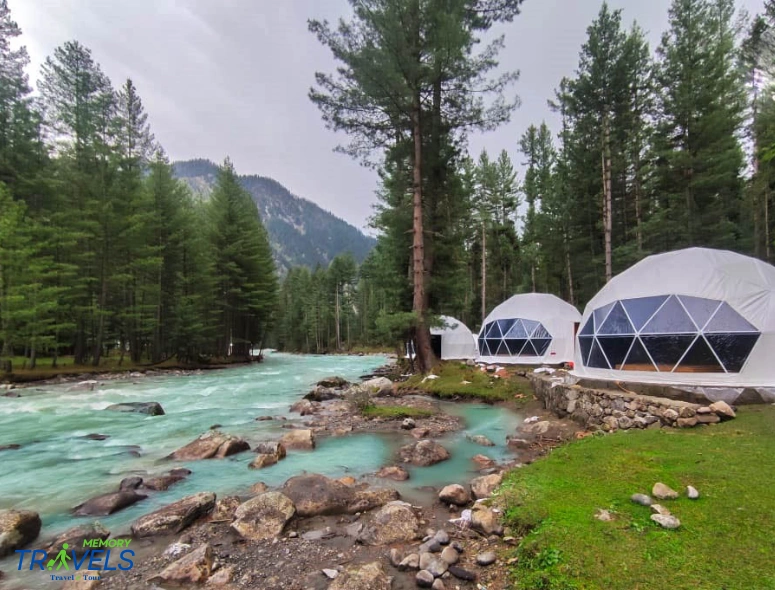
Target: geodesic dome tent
<point>693,316</point>
<point>532,328</point>
<point>452,341</point>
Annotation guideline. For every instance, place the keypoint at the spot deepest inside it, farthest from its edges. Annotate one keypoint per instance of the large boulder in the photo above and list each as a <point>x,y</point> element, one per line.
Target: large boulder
<point>484,486</point>
<point>378,386</point>
<point>486,520</point>
<point>323,394</point>
<point>17,529</point>
<point>369,576</point>
<point>304,407</point>
<point>423,453</point>
<point>455,494</point>
<point>372,498</point>
<point>150,408</point>
<point>274,447</point>
<point>263,460</point>
<point>108,503</point>
<point>264,516</point>
<point>333,382</point>
<point>75,537</point>
<point>299,439</point>
<point>175,517</point>
<point>162,482</point>
<point>395,522</point>
<point>394,472</point>
<point>193,568</point>
<point>316,495</point>
<point>212,444</point>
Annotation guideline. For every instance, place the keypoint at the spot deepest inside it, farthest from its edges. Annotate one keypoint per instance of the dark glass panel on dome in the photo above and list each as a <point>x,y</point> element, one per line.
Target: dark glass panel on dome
<point>699,359</point>
<point>515,345</point>
<point>641,309</point>
<point>601,313</point>
<point>589,327</point>
<point>597,358</point>
<point>616,322</point>
<point>541,332</point>
<point>541,344</point>
<point>585,344</point>
<point>502,350</point>
<point>529,350</point>
<point>517,331</point>
<point>638,359</point>
<point>667,349</point>
<point>670,319</point>
<point>732,349</point>
<point>615,348</point>
<point>530,326</point>
<point>727,319</point>
<point>493,345</point>
<point>699,309</point>
<point>492,330</point>
<point>484,350</point>
<point>505,325</point>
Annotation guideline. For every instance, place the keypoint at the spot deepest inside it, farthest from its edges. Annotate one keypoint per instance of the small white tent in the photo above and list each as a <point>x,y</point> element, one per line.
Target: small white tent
<point>451,341</point>
<point>532,328</point>
<point>694,316</point>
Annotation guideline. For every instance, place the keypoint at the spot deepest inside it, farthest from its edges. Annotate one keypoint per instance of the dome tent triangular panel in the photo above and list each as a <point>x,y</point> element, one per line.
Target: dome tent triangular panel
<point>457,341</point>
<point>541,330</point>
<point>699,316</point>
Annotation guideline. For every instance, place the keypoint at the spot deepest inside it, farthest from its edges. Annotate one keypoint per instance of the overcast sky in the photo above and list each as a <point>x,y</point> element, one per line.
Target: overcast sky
<point>230,77</point>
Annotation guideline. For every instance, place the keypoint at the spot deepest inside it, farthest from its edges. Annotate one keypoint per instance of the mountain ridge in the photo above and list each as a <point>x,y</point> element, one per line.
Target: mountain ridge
<point>301,232</point>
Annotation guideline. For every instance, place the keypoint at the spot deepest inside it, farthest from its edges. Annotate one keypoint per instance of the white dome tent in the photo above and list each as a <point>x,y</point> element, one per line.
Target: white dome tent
<point>452,341</point>
<point>530,329</point>
<point>695,316</point>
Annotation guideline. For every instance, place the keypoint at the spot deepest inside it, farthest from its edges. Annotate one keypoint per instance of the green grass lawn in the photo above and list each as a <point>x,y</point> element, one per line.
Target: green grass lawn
<point>482,386</point>
<point>395,412</point>
<point>727,537</point>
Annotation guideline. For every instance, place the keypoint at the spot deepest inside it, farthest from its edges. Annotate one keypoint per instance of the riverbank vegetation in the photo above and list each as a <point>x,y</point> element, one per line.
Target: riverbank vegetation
<point>725,537</point>
<point>102,251</point>
<point>457,380</point>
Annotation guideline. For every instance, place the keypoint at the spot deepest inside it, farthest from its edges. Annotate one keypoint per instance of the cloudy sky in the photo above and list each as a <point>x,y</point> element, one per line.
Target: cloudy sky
<point>230,77</point>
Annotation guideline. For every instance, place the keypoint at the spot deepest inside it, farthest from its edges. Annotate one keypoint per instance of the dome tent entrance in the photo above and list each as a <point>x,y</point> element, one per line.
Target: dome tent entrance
<point>694,316</point>
<point>451,341</point>
<point>532,328</point>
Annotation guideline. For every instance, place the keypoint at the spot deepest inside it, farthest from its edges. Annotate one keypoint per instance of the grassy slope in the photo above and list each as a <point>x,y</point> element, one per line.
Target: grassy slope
<point>483,386</point>
<point>395,412</point>
<point>727,537</point>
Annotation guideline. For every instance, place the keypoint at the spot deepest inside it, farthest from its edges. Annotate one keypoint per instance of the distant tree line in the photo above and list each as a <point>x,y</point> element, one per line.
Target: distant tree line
<point>101,248</point>
<point>656,150</point>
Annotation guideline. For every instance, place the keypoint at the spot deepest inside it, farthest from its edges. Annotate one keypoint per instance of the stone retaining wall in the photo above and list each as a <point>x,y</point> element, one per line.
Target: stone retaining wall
<point>613,410</point>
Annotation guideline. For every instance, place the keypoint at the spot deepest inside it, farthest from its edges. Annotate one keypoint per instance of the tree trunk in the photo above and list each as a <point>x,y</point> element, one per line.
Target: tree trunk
<point>638,212</point>
<point>338,329</point>
<point>568,269</point>
<point>607,200</point>
<point>484,273</point>
<point>422,333</point>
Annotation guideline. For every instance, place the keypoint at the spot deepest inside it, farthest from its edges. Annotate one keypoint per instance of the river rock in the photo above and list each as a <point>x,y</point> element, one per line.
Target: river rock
<point>486,558</point>
<point>442,537</point>
<point>484,486</point>
<point>303,407</point>
<point>393,523</point>
<point>333,382</point>
<point>212,444</point>
<point>666,521</point>
<point>692,493</point>
<point>369,576</point>
<point>485,520</point>
<point>662,492</point>
<point>642,499</point>
<point>96,436</point>
<point>708,419</point>
<point>262,460</point>
<point>423,453</point>
<point>108,503</point>
<point>81,584</point>
<point>659,509</point>
<point>424,579</point>
<point>258,488</point>
<point>323,394</point>
<point>455,494</point>
<point>75,537</point>
<point>420,432</point>
<point>410,562</point>
<point>274,447</point>
<point>299,439</point>
<point>483,461</point>
<point>450,555</point>
<point>130,483</point>
<point>17,529</point>
<point>150,408</point>
<point>160,483</point>
<point>722,409</point>
<point>317,495</point>
<point>226,507</point>
<point>371,498</point>
<point>480,439</point>
<point>222,577</point>
<point>462,574</point>
<point>174,517</point>
<point>430,546</point>
<point>378,386</point>
<point>438,584</point>
<point>264,516</point>
<point>193,568</point>
<point>435,565</point>
<point>11,447</point>
<point>394,472</point>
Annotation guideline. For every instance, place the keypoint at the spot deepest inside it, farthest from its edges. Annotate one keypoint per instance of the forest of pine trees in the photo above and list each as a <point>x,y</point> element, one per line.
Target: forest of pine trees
<point>658,148</point>
<point>102,250</point>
